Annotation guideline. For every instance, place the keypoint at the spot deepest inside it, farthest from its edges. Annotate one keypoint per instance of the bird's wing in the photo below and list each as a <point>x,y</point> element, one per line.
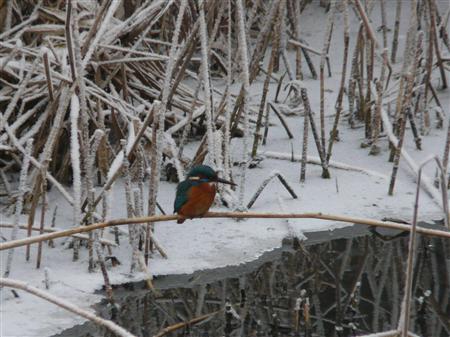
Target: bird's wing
<point>182,195</point>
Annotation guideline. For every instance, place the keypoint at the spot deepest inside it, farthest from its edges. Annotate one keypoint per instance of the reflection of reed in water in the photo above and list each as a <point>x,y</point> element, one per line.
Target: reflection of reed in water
<point>344,287</point>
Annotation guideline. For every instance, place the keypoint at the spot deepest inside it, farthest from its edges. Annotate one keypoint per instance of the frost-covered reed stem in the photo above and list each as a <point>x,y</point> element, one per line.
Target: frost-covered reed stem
<point>408,60</point>
<point>76,170</point>
<point>266,124</point>
<point>334,131</point>
<point>229,107</point>
<point>154,179</point>
<point>304,159</point>
<point>402,126</point>
<point>433,14</point>
<point>101,261</point>
<point>261,188</point>
<point>43,211</point>
<point>48,76</point>
<point>428,72</point>
<point>306,104</point>
<point>19,203</point>
<point>398,14</point>
<point>64,99</point>
<point>282,120</point>
<point>310,63</point>
<point>18,94</point>
<point>246,84</point>
<point>262,41</point>
<point>88,172</point>
<point>298,51</point>
<point>100,32</point>
<point>51,244</point>
<point>370,55</point>
<point>374,150</point>
<point>69,42</point>
<point>323,57</point>
<point>159,121</point>
<point>383,22</point>
<point>206,84</point>
<point>417,71</point>
<point>354,75</point>
<point>132,230</point>
<point>32,213</point>
<point>270,68</point>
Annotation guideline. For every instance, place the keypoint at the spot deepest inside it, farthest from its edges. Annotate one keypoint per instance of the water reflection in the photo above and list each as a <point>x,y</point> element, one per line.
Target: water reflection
<point>342,287</point>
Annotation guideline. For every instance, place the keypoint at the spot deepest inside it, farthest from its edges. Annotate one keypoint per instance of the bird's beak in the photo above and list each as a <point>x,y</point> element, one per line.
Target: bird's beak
<point>223,181</point>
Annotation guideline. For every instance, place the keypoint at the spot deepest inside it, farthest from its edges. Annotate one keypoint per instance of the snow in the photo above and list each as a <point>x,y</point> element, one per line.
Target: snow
<point>358,187</point>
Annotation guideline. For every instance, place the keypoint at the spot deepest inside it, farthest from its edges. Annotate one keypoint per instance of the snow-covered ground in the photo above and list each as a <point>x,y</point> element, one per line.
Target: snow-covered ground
<point>209,243</point>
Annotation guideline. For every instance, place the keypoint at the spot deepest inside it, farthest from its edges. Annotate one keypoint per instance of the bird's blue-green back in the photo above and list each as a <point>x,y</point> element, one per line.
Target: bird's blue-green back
<point>182,194</point>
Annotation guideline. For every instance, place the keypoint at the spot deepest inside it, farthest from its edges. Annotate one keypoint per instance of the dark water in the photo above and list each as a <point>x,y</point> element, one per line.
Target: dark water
<point>342,283</point>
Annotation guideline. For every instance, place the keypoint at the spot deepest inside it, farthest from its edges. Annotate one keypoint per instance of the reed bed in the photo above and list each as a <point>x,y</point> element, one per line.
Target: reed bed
<point>94,91</point>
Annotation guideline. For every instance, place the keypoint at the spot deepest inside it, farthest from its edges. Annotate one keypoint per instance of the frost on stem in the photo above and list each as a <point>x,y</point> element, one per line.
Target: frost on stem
<point>229,107</point>
<point>75,158</point>
<point>306,104</point>
<point>206,85</point>
<point>76,170</point>
<point>266,181</point>
<point>246,84</point>
<point>158,124</point>
<point>101,31</point>
<point>374,150</point>
<point>19,203</point>
<point>132,229</point>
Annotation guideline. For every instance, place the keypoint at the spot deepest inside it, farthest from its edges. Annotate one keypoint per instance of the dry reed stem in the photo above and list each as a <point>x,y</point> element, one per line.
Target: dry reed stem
<point>110,325</point>
<point>53,230</point>
<point>402,128</point>
<point>433,12</point>
<point>235,215</point>
<point>404,320</point>
<point>306,104</point>
<point>398,10</point>
<point>282,120</point>
<point>326,45</point>
<point>48,76</point>
<point>191,322</point>
<point>44,206</point>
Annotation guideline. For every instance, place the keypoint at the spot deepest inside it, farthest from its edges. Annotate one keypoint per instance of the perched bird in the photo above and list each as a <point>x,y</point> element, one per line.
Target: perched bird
<point>195,195</point>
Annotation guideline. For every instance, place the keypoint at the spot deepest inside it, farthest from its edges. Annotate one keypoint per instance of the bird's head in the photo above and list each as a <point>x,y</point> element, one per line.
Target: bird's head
<point>205,174</point>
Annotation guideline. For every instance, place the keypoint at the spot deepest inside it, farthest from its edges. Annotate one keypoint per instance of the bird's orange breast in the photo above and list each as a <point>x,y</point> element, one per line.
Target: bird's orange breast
<point>200,199</point>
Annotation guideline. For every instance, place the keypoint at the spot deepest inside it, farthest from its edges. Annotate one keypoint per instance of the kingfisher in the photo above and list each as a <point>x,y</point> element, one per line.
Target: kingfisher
<point>195,195</point>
